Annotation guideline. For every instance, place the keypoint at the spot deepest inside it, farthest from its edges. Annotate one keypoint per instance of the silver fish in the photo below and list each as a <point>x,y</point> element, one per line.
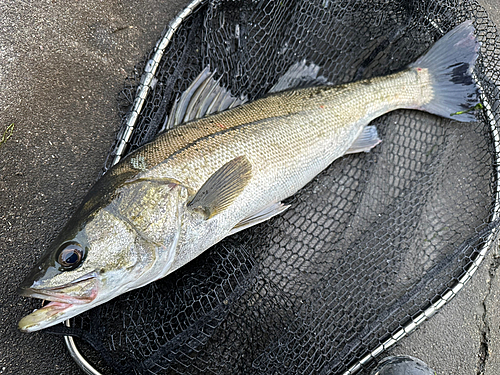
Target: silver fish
<point>208,178</point>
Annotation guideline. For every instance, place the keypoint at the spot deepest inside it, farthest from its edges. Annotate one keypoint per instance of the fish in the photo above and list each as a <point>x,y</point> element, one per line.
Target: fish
<point>224,164</point>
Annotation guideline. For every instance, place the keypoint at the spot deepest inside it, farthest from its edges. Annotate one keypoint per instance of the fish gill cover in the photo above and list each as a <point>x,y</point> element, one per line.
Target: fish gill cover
<point>372,246</point>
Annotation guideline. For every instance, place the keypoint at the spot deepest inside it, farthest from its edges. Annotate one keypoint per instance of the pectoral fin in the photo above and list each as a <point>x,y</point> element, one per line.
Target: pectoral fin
<point>222,188</point>
<point>260,216</point>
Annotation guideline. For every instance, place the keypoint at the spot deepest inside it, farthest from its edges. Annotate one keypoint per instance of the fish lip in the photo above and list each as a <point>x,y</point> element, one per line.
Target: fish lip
<point>65,301</point>
<point>57,294</point>
<point>44,317</point>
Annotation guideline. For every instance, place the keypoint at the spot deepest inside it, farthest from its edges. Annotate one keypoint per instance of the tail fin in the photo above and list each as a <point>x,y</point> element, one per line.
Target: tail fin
<point>450,63</point>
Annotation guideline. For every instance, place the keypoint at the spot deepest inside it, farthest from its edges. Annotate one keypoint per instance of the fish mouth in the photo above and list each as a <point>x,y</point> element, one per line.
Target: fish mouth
<point>79,291</point>
<point>66,301</point>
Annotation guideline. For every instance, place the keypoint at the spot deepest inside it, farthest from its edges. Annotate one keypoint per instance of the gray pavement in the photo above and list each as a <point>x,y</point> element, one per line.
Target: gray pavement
<point>61,67</point>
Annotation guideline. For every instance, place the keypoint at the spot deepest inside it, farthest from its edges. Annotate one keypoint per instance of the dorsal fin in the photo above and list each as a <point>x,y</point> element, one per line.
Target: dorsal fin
<point>206,96</point>
<point>300,75</point>
<point>203,97</point>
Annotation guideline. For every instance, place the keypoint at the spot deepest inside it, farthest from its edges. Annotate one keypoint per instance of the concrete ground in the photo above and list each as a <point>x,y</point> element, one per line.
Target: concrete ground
<point>61,67</point>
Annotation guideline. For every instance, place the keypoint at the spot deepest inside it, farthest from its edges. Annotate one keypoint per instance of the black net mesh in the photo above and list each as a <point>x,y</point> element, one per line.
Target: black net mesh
<point>364,250</point>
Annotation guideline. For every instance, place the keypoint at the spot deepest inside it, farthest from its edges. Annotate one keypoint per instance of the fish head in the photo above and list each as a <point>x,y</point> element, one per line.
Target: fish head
<point>86,267</point>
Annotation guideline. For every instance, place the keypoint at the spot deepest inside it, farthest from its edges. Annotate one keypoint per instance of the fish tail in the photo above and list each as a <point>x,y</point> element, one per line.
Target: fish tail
<point>449,64</point>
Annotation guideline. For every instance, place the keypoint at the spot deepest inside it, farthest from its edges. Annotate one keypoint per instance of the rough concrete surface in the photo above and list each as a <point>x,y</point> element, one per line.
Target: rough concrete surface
<point>491,326</point>
<point>61,67</point>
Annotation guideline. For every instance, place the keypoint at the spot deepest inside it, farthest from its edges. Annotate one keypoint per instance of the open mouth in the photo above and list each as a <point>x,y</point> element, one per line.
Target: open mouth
<point>80,291</point>
<point>66,301</point>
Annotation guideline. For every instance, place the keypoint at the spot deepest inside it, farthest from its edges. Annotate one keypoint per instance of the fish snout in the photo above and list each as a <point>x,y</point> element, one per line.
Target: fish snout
<point>79,291</point>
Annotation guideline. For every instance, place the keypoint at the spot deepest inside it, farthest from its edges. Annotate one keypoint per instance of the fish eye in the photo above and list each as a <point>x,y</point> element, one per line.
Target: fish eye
<point>70,256</point>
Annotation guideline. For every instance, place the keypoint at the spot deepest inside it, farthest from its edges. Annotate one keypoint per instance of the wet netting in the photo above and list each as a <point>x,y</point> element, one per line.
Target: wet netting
<point>368,250</point>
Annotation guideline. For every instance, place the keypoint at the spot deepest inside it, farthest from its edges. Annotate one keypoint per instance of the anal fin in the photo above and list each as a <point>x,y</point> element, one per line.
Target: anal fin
<point>367,140</point>
<point>258,217</point>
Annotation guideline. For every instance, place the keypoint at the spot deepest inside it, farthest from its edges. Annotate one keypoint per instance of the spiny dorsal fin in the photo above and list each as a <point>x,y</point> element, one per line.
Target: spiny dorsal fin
<point>222,188</point>
<point>206,96</point>
<point>203,97</point>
